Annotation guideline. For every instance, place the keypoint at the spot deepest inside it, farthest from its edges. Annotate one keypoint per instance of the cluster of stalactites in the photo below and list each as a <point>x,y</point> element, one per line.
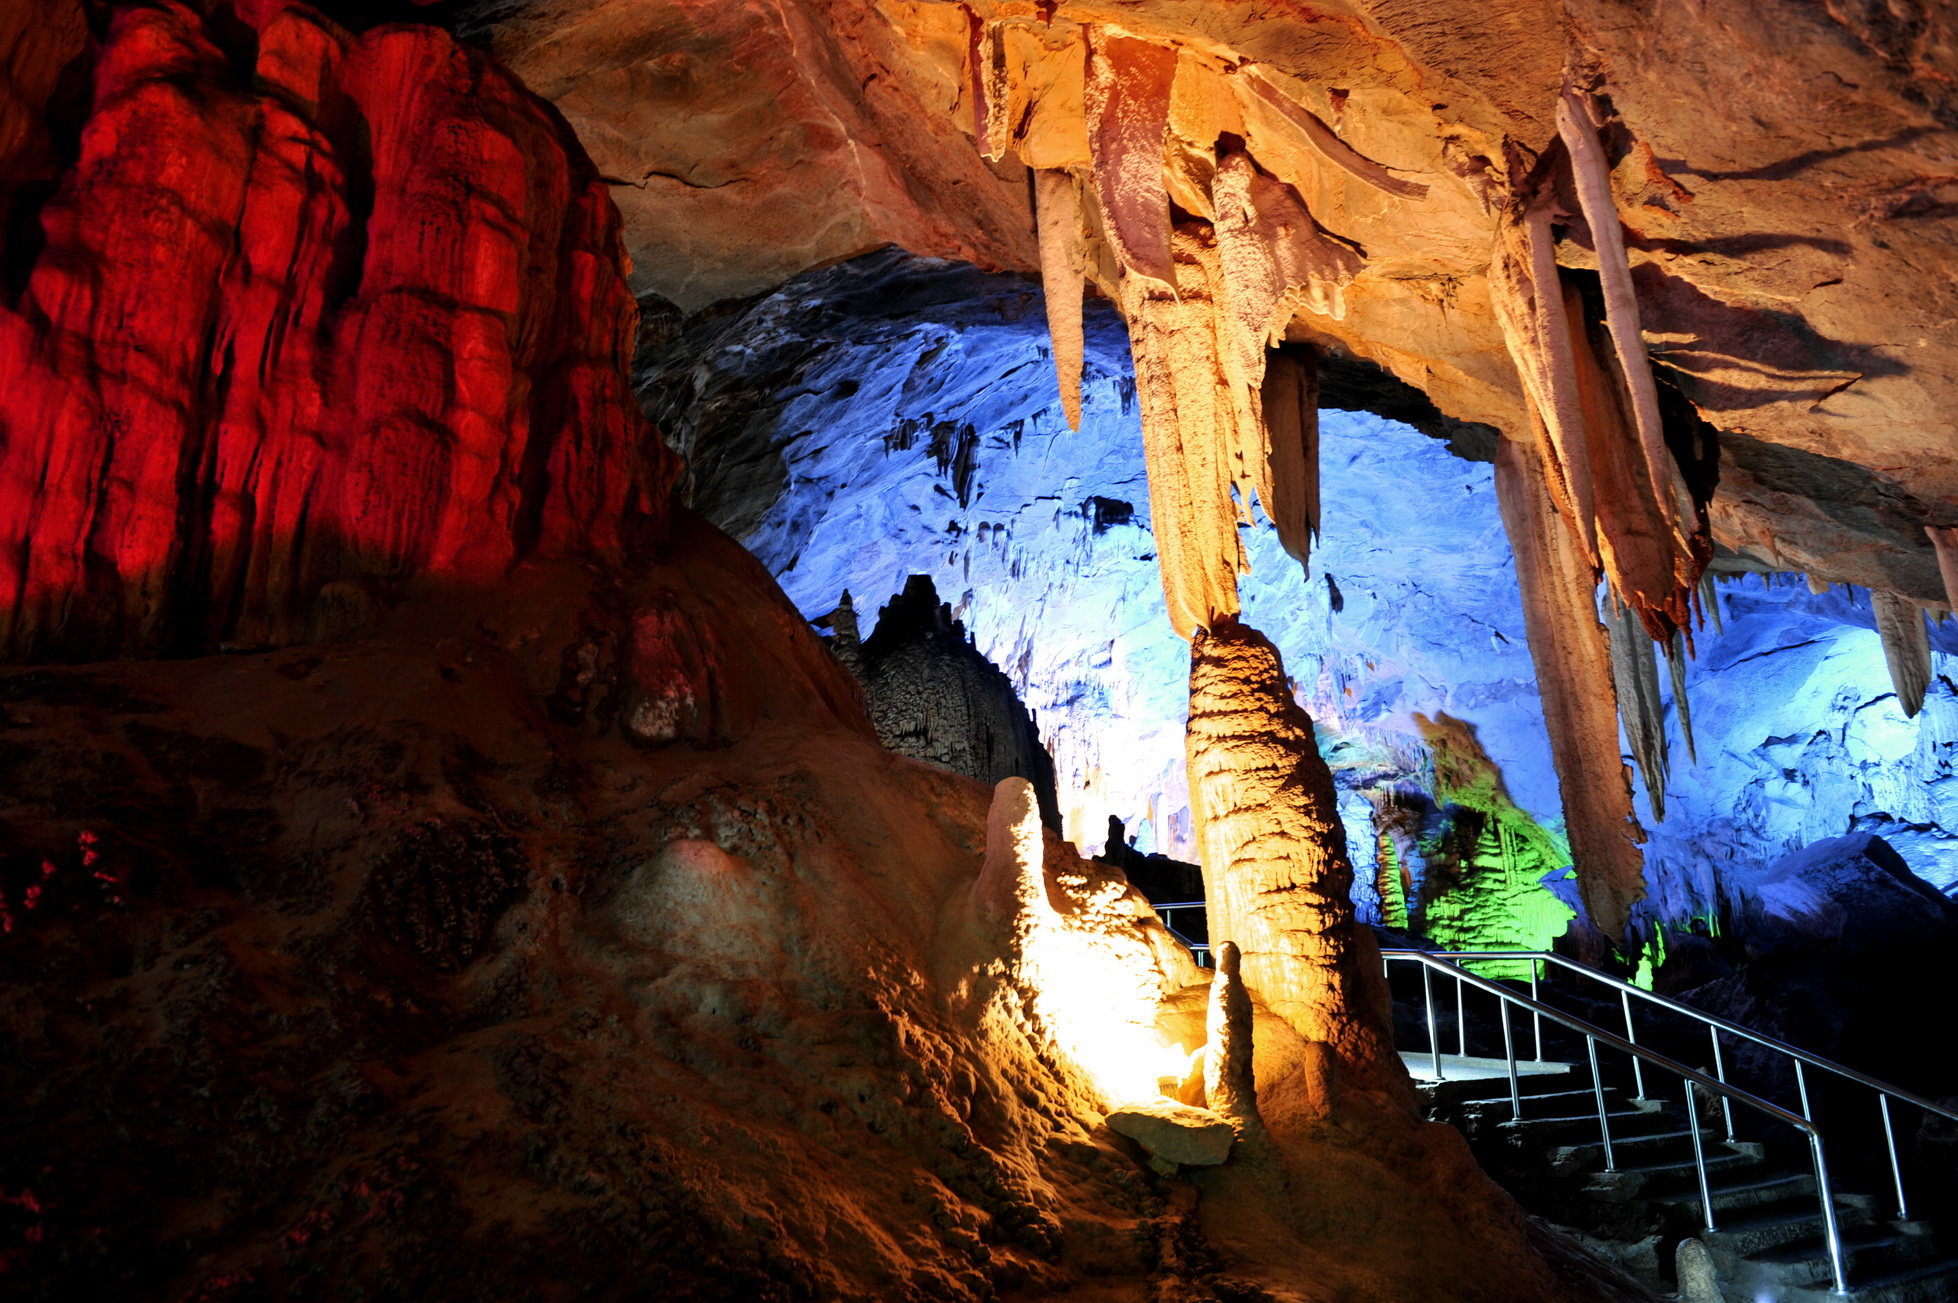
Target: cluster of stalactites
<point>1591,394</point>
<point>1148,182</point>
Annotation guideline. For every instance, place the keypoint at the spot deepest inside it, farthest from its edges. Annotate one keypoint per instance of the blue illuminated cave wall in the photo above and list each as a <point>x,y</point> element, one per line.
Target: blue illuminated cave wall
<point>895,415</point>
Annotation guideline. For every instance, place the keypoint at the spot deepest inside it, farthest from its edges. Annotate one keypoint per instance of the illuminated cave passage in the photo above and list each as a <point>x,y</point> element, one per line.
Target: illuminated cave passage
<point>614,613</point>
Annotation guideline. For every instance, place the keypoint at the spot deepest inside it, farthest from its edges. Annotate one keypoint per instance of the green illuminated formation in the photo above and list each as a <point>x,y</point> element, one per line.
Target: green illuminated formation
<point>1485,867</point>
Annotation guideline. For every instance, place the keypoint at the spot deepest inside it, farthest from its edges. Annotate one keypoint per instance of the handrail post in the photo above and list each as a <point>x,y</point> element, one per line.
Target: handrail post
<point>1434,1031</point>
<point>1720,1073</point>
<point>1536,1017</point>
<point>1896,1169</point>
<point>1638,1066</point>
<point>1829,1227</point>
<point>1597,1086</point>
<point>1515,1093</point>
<point>1699,1155</point>
<point>1461,1018</point>
<point>1801,1084</point>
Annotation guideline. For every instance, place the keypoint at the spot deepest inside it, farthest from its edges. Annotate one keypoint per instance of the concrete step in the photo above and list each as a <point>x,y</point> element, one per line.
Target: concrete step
<point>1753,1188</point>
<point>1871,1253</point>
<point>1767,1227</point>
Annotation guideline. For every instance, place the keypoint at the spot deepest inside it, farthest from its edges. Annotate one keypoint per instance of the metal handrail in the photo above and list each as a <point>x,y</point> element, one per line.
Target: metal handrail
<point>1594,1036</point>
<point>1712,1019</point>
<point>1715,1025</point>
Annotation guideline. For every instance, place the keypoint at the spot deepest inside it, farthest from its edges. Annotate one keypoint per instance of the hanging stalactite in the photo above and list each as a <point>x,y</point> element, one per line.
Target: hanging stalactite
<point>1187,421</point>
<point>1288,406</point>
<point>1579,701</point>
<point>1906,646</point>
<point>1127,99</point>
<point>1676,666</point>
<point>1057,212</point>
<point>1635,675</point>
<point>1592,175</point>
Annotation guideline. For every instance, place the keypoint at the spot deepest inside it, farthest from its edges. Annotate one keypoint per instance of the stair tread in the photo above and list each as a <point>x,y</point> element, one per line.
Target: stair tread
<point>1817,1249</point>
<point>1741,1187</point>
<point>1904,1275</point>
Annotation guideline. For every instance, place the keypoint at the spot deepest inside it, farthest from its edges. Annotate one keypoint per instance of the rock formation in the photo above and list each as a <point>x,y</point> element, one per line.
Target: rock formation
<point>1277,878</point>
<point>354,320</point>
<point>932,696</point>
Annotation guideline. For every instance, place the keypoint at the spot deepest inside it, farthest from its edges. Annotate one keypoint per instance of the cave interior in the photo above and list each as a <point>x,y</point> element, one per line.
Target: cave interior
<point>978,650</point>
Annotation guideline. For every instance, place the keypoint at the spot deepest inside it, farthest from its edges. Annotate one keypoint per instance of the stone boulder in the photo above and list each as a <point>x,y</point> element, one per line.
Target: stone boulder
<point>1175,1133</point>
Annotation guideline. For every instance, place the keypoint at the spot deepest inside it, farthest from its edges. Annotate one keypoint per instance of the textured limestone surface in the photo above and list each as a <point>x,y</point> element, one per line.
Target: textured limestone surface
<point>550,922</point>
<point>828,432</point>
<point>1175,1133</point>
<point>932,696</point>
<point>1787,205</point>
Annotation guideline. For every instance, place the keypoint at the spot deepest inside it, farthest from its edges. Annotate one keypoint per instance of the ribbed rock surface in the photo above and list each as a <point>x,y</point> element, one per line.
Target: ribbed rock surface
<point>933,696</point>
<point>312,317</point>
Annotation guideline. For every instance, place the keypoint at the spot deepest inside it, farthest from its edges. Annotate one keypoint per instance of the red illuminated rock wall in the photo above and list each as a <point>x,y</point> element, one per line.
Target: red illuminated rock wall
<point>316,317</point>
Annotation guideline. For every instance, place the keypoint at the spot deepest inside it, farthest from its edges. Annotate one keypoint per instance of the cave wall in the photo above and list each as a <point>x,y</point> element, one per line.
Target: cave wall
<point>309,317</point>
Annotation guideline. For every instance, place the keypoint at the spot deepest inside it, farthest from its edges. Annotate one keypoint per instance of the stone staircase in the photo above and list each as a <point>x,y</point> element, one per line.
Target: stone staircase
<point>1769,1247</point>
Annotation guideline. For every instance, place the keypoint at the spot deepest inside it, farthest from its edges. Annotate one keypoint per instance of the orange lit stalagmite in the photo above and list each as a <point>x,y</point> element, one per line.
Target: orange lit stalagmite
<point>1277,877</point>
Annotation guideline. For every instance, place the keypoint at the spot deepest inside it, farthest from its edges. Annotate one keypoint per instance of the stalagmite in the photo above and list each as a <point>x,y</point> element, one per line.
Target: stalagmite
<point>1906,646</point>
<point>1579,702</point>
<point>1945,541</point>
<point>1289,408</point>
<point>1057,210</point>
<point>1229,1088</point>
<point>1012,886</point>
<point>1593,180</point>
<point>1277,878</point>
<point>1187,432</point>
<point>1676,665</point>
<point>1128,90</point>
<point>1635,675</point>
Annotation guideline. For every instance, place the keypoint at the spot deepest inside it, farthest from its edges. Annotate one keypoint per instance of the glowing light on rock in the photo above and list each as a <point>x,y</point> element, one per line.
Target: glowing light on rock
<point>1095,982</point>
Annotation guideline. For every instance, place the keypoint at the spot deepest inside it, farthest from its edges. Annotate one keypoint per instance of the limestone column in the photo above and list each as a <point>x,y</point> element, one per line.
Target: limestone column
<point>1276,873</point>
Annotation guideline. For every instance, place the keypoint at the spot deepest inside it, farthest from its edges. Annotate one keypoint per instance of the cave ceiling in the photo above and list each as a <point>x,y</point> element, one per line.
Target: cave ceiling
<point>1786,174</point>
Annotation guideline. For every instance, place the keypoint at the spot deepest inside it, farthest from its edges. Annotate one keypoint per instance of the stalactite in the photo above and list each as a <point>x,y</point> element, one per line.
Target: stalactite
<point>1906,646</point>
<point>1289,409</point>
<point>1635,675</point>
<point>986,53</point>
<point>1676,665</point>
<point>1945,542</point>
<point>1579,701</point>
<point>1057,211</point>
<point>1635,544</point>
<point>1710,600</point>
<point>1127,97</point>
<point>1277,878</point>
<point>1188,441</point>
<point>1529,303</point>
<point>1593,182</point>
<point>1274,261</point>
<point>1256,83</point>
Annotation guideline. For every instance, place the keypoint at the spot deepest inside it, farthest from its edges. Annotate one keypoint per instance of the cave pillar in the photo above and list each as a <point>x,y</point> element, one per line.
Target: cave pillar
<point>1277,878</point>
<point>1580,703</point>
